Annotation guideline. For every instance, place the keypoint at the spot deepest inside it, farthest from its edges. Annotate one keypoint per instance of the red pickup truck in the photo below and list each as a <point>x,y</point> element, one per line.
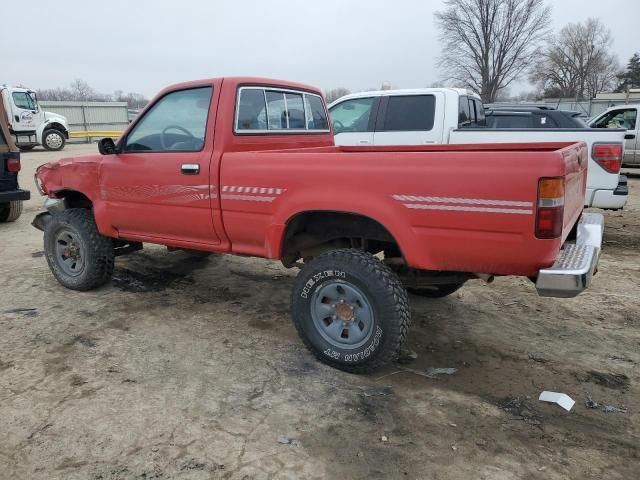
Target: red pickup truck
<point>248,166</point>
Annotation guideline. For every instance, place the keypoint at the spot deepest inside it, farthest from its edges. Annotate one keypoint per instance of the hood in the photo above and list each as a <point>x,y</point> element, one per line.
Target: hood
<point>54,117</point>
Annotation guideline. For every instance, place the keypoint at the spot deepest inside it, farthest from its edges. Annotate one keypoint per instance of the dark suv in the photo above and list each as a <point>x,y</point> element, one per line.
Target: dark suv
<point>11,196</point>
<point>532,117</point>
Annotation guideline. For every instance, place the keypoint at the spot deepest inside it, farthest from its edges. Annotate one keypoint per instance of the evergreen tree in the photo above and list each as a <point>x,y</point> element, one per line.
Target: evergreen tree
<point>630,78</point>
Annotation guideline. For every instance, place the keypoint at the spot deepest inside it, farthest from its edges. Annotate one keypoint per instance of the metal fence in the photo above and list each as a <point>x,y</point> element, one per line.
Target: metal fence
<point>596,105</point>
<point>90,121</point>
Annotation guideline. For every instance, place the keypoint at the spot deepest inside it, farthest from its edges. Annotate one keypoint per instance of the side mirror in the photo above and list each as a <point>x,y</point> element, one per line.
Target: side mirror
<point>106,146</point>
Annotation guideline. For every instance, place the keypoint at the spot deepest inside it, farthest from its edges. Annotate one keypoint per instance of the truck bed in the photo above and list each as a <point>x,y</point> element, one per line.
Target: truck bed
<point>468,207</point>
<point>598,179</point>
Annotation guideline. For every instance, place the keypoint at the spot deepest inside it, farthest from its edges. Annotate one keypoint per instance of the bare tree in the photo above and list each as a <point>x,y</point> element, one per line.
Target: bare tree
<point>335,93</point>
<point>489,43</point>
<point>577,63</point>
<point>81,91</point>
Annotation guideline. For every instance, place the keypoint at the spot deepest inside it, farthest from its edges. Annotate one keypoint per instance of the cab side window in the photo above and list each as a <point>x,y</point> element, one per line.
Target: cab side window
<point>352,115</point>
<point>618,119</point>
<point>410,113</point>
<point>177,122</point>
<point>24,100</point>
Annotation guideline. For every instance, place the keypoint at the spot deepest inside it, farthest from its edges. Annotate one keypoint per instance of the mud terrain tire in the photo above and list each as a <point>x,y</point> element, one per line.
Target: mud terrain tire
<point>78,256</point>
<point>350,310</point>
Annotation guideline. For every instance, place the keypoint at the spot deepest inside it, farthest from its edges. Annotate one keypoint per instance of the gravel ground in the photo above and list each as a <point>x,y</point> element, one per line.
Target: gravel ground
<point>190,368</point>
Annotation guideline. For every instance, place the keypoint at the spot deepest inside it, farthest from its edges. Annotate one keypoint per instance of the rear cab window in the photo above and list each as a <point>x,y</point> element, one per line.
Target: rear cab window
<point>409,113</point>
<point>277,110</point>
<point>470,112</point>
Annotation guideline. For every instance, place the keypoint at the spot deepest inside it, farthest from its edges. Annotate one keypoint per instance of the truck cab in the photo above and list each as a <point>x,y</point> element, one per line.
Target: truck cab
<point>625,117</point>
<point>29,125</point>
<point>402,117</point>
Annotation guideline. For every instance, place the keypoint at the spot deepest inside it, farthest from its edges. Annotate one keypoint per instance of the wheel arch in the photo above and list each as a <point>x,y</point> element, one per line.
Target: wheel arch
<point>74,199</point>
<point>316,230</point>
<point>55,126</point>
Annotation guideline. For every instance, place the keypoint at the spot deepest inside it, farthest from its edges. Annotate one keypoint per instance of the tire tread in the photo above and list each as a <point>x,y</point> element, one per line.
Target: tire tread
<point>396,296</point>
<point>100,257</point>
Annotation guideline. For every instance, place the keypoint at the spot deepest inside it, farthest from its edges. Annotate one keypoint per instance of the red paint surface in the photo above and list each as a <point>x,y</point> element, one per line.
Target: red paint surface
<point>144,196</point>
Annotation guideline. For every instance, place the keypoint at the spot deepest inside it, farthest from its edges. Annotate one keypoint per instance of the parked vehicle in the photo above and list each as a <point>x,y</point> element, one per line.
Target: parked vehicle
<point>11,196</point>
<point>248,166</point>
<point>626,118</point>
<point>454,116</point>
<point>29,125</point>
<point>533,117</point>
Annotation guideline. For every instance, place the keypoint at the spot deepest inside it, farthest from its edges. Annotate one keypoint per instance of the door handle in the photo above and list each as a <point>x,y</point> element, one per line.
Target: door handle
<point>190,168</point>
<point>629,136</point>
<point>364,142</point>
<point>17,118</point>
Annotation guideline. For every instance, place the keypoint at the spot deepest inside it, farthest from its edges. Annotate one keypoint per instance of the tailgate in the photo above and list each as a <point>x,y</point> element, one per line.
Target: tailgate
<point>576,159</point>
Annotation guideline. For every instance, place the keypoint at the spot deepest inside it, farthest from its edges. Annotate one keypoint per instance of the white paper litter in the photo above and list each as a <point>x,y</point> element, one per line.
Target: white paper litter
<point>562,399</point>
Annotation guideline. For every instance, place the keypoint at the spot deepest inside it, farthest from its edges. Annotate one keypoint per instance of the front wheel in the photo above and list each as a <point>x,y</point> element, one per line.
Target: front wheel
<point>350,310</point>
<point>53,140</point>
<point>10,211</point>
<point>78,256</point>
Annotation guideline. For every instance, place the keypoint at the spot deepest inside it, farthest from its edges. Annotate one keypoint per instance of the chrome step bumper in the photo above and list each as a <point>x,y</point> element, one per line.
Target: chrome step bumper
<point>577,263</point>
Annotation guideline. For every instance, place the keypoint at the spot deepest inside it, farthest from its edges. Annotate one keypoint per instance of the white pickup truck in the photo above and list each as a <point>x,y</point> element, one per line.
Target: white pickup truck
<point>456,116</point>
<point>625,117</point>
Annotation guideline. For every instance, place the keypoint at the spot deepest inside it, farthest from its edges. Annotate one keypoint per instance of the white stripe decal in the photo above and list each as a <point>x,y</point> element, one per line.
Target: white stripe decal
<point>250,198</point>
<point>466,201</point>
<point>423,206</point>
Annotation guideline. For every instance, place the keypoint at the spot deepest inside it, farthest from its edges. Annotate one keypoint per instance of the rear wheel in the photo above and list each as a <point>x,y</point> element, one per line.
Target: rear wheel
<point>436,291</point>
<point>350,310</point>
<point>78,256</point>
<point>10,211</point>
<point>53,140</point>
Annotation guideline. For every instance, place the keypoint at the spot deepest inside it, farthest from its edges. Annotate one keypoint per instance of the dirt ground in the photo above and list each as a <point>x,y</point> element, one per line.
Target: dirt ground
<point>191,369</point>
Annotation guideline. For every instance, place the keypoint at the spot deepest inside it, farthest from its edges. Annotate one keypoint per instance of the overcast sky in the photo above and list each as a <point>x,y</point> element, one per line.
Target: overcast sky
<point>143,45</point>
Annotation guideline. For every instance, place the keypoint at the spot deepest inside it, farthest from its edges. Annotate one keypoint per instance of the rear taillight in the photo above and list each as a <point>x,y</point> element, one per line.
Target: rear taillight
<point>13,164</point>
<point>608,156</point>
<point>550,211</point>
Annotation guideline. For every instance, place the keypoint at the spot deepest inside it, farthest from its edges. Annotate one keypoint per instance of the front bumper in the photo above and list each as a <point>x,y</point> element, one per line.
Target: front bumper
<point>577,262</point>
<point>14,195</point>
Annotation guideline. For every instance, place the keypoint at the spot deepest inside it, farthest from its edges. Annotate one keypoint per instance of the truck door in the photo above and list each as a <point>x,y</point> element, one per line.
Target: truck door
<point>353,121</point>
<point>24,111</point>
<point>158,184</point>
<point>410,120</point>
